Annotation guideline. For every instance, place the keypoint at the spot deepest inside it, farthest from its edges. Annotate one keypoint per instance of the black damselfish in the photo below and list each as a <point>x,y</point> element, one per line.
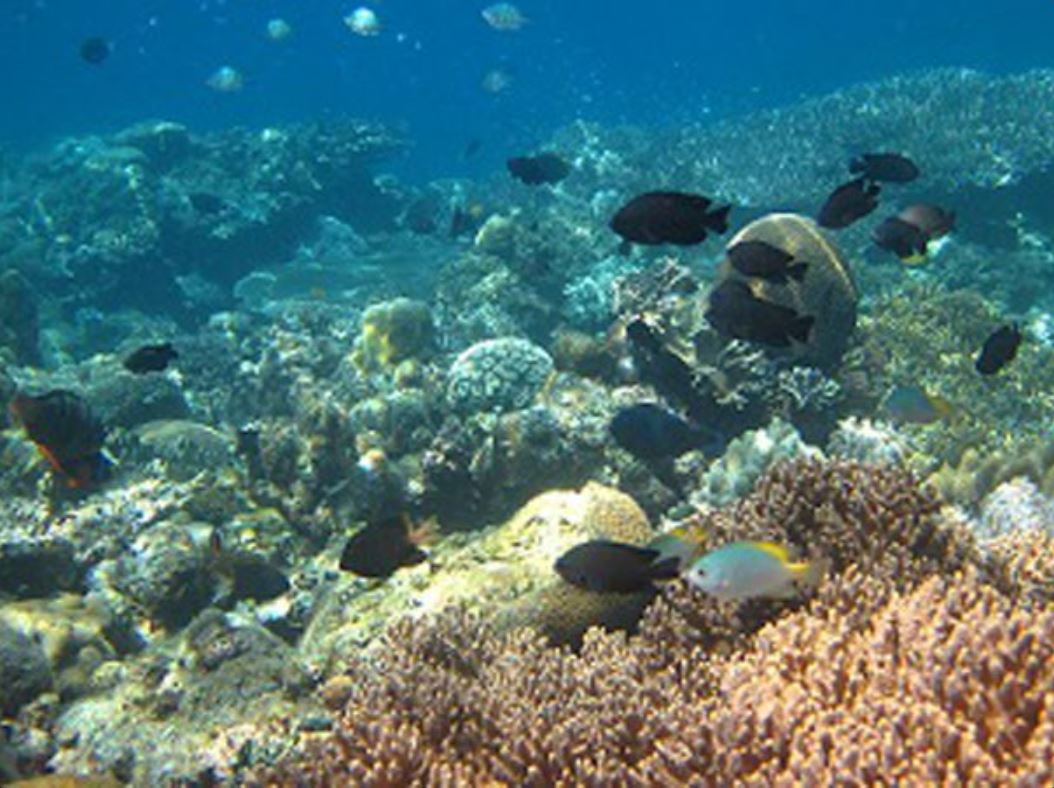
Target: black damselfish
<point>675,218</point>
<point>735,311</point>
<point>614,567</point>
<point>151,358</point>
<point>849,202</point>
<point>763,260</point>
<point>536,170</point>
<point>385,545</point>
<point>887,167</point>
<point>999,349</point>
<point>651,432</point>
<point>95,50</point>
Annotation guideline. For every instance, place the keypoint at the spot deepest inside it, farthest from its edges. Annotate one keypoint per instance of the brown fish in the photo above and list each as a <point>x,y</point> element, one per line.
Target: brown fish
<point>383,546</point>
<point>735,311</point>
<point>849,202</point>
<point>67,434</point>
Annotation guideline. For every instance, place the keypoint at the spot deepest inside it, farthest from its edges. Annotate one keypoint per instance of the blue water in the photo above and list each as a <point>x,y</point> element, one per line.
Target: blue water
<point>663,62</point>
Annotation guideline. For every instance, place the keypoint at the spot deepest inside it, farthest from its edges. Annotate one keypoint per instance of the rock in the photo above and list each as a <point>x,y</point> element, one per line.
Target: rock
<point>186,447</point>
<point>19,320</point>
<point>506,571</point>
<point>24,671</point>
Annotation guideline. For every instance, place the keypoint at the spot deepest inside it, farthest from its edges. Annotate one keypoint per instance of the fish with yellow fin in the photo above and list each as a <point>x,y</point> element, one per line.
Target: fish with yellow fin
<point>67,433</point>
<point>911,404</point>
<point>683,542</point>
<point>751,570</point>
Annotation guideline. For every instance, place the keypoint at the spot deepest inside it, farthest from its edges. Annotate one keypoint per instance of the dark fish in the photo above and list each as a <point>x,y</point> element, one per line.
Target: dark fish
<point>67,433</point>
<point>670,374</point>
<point>536,170</point>
<point>604,566</point>
<point>651,432</point>
<point>888,167</point>
<point>849,202</point>
<point>757,258</point>
<point>472,147</point>
<point>903,239</point>
<point>734,310</point>
<point>95,50</point>
<point>932,220</point>
<point>383,546</point>
<point>151,358</point>
<point>999,349</point>
<point>677,218</point>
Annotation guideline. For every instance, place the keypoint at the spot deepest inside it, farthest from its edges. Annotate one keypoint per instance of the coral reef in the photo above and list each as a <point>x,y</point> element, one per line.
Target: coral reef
<point>392,332</point>
<point>745,460</point>
<point>948,682</point>
<point>497,375</point>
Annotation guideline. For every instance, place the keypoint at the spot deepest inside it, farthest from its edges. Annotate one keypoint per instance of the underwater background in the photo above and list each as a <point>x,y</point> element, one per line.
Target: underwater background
<point>536,393</point>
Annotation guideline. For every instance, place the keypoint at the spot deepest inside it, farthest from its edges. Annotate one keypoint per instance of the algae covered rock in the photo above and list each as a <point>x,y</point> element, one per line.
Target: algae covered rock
<point>497,375</point>
<point>24,671</point>
<point>19,321</point>
<point>827,292</point>
<point>505,572</point>
<point>394,331</point>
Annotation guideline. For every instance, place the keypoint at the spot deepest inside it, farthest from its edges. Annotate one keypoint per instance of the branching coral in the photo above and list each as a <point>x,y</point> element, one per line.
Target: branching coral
<point>950,682</point>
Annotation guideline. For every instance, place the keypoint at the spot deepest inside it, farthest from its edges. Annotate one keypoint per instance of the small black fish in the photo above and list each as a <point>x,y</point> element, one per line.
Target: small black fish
<point>95,50</point>
<point>651,432</point>
<point>903,239</point>
<point>887,167</point>
<point>932,220</point>
<point>151,358</point>
<point>383,546</point>
<point>67,433</point>
<point>849,202</point>
<point>999,349</point>
<point>676,218</point>
<point>734,310</point>
<point>605,566</point>
<point>472,147</point>
<point>757,258</point>
<point>536,170</point>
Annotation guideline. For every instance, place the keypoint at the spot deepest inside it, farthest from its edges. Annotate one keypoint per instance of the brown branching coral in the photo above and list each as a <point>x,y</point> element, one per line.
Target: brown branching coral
<point>951,682</point>
<point>910,665</point>
<point>850,513</point>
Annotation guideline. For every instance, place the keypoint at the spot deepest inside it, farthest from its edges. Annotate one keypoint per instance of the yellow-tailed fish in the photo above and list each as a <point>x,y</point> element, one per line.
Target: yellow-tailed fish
<point>684,542</point>
<point>747,570</point>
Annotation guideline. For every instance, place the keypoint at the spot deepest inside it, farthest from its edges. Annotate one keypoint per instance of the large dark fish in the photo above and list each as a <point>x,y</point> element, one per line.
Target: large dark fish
<point>676,218</point>
<point>651,432</point>
<point>849,202</point>
<point>95,50</point>
<point>735,311</point>
<point>887,167</point>
<point>536,170</point>
<point>383,546</point>
<point>670,374</point>
<point>604,566</point>
<point>763,260</point>
<point>903,239</point>
<point>999,349</point>
<point>67,433</point>
<point>151,358</point>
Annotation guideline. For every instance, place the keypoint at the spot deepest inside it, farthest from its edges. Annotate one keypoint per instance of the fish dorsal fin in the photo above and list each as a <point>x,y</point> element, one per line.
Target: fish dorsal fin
<point>777,551</point>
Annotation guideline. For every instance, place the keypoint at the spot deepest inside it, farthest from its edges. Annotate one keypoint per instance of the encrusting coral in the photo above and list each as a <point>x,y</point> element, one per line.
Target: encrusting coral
<point>909,666</point>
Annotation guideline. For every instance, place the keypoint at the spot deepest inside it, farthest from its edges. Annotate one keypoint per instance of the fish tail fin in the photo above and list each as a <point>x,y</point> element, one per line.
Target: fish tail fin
<point>801,327</point>
<point>809,574</point>
<point>717,219</point>
<point>665,569</point>
<point>796,271</point>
